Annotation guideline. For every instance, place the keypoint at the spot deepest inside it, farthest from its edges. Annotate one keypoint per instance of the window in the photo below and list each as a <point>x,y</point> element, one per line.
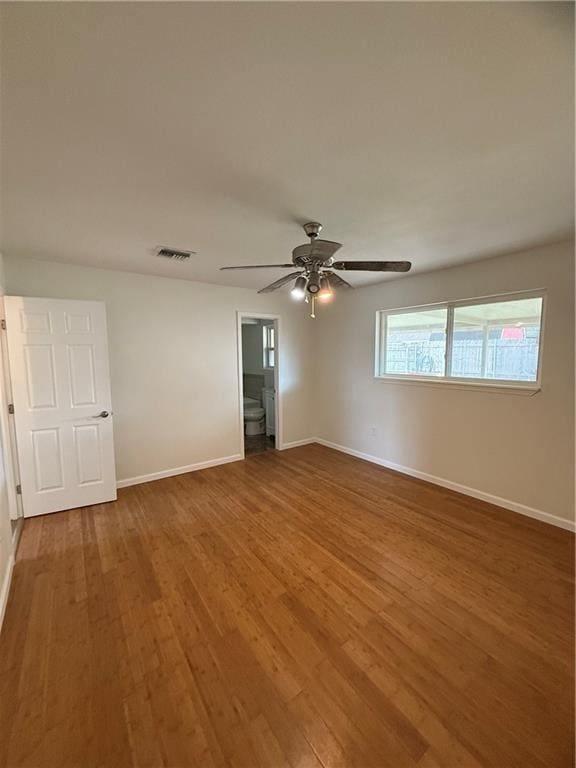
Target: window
<point>416,343</point>
<point>269,346</point>
<point>482,340</point>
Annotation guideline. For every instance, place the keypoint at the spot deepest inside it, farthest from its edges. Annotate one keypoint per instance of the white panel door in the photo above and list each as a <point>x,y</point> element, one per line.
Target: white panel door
<point>58,355</point>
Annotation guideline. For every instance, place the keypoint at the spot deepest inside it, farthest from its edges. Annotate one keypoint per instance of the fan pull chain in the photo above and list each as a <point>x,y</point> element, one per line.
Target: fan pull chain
<point>313,307</point>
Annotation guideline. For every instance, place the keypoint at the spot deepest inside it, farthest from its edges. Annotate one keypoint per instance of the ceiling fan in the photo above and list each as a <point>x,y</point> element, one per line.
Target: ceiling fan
<point>316,278</point>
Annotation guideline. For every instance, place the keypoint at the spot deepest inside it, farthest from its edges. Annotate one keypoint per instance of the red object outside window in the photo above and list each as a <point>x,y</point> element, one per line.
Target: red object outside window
<point>513,333</point>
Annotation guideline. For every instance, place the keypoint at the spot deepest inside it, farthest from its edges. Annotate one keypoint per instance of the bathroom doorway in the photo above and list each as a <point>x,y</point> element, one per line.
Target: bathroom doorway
<point>259,393</point>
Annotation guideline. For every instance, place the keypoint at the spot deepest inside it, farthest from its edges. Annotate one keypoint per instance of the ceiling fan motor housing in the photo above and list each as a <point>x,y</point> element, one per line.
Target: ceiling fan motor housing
<point>317,253</point>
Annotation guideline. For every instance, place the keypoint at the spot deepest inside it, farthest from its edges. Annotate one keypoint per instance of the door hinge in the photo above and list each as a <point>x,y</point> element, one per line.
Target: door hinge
<point>19,489</point>
<point>11,408</point>
<point>3,324</point>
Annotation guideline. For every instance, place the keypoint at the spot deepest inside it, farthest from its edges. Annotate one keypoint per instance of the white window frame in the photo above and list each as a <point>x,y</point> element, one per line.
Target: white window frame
<point>266,348</point>
<point>497,385</point>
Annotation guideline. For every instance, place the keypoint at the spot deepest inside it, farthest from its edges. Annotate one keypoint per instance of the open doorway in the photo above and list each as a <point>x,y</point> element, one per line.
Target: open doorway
<point>258,375</point>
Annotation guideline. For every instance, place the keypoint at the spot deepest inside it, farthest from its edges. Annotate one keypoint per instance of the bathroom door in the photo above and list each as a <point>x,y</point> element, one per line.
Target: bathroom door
<point>58,355</point>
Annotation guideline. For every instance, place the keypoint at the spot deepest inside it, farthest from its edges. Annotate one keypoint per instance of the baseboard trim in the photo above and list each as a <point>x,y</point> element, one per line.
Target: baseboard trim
<point>513,506</point>
<point>298,443</point>
<point>16,534</point>
<point>177,471</point>
<point>6,587</point>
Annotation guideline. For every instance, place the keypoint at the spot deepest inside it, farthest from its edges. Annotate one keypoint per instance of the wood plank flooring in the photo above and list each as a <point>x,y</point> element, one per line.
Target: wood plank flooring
<point>297,610</point>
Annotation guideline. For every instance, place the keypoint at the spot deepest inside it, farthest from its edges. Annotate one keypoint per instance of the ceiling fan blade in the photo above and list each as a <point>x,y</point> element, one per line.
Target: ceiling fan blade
<point>373,266</point>
<point>262,266</point>
<point>336,281</point>
<point>279,283</point>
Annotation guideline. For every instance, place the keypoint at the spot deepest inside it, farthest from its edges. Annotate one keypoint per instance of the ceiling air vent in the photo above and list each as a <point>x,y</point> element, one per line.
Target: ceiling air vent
<point>173,253</point>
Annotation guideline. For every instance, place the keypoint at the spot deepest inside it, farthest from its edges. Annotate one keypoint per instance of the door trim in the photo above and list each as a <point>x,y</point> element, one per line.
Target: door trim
<point>277,364</point>
<point>7,427</point>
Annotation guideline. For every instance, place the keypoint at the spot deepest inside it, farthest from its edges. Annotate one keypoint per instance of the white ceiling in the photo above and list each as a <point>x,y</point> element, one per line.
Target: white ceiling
<point>432,132</point>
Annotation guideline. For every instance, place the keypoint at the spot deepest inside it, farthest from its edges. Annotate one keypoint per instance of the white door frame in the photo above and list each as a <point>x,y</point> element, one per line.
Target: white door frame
<point>11,465</point>
<point>277,391</point>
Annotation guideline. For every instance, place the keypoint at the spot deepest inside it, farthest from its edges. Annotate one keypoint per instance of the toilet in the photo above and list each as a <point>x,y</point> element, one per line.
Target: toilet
<point>254,417</point>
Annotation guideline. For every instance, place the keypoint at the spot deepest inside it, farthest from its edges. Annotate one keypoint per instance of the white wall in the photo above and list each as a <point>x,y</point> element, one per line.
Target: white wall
<point>252,348</point>
<point>253,351</point>
<point>173,360</point>
<point>515,447</point>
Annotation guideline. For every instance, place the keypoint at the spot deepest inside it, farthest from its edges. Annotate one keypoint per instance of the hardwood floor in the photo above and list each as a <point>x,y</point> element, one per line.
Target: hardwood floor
<point>297,609</point>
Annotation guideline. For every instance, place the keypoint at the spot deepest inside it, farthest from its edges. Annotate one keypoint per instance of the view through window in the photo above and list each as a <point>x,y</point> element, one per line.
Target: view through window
<point>487,340</point>
<point>416,342</point>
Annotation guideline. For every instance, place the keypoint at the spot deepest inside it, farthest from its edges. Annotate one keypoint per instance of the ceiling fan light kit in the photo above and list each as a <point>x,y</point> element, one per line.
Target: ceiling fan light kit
<point>315,262</point>
<point>298,292</point>
<point>326,293</point>
<point>313,286</point>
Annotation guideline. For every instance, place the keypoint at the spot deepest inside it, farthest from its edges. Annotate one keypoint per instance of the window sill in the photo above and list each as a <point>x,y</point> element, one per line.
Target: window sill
<point>480,386</point>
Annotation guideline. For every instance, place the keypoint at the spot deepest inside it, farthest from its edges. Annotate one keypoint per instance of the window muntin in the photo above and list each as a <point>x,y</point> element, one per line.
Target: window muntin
<point>486,340</point>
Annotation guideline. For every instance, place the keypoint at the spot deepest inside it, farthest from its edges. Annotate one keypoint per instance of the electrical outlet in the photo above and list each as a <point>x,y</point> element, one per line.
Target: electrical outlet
<point>372,431</point>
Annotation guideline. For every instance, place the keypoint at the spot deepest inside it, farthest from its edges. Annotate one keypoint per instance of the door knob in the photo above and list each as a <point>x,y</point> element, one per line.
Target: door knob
<point>102,415</point>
